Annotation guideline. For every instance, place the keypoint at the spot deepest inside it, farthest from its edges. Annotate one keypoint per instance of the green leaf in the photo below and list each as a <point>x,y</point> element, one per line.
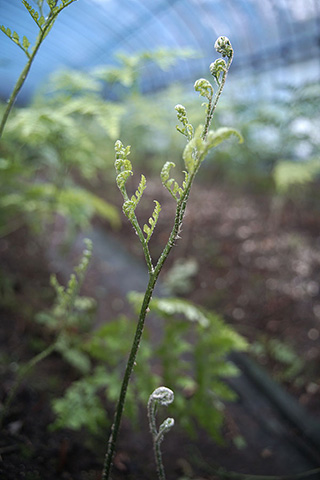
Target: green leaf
<point>215,137</point>
<point>15,38</point>
<point>197,149</point>
<point>80,407</point>
<point>34,14</point>
<point>122,178</point>
<point>152,221</point>
<point>194,150</point>
<point>72,201</point>
<point>165,172</point>
<point>142,185</point>
<point>128,208</point>
<point>25,43</point>
<point>170,183</point>
<point>288,174</point>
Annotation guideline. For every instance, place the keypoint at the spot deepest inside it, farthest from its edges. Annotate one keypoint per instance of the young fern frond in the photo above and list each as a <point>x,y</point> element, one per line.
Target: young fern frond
<point>161,396</point>
<point>152,221</point>
<point>38,18</point>
<point>141,187</point>
<point>200,142</point>
<point>16,39</point>
<point>170,183</point>
<point>129,206</point>
<point>187,129</point>
<point>124,171</point>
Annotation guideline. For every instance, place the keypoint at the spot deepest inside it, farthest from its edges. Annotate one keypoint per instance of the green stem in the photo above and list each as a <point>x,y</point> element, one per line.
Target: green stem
<point>152,407</point>
<point>159,463</point>
<point>127,375</point>
<point>212,105</point>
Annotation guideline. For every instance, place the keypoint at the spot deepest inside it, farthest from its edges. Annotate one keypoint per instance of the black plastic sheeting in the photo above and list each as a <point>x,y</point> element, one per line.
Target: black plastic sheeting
<point>275,41</point>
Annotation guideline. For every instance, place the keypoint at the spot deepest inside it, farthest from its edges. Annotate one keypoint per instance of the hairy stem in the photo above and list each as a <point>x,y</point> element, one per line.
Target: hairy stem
<point>213,104</point>
<point>156,445</point>
<point>127,375</point>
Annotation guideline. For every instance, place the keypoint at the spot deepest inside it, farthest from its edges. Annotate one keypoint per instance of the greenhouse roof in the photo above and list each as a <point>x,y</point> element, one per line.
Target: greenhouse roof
<point>274,40</point>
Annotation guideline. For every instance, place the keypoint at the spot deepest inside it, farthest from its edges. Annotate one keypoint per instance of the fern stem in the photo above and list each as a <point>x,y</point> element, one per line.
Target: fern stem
<point>213,104</point>
<point>127,375</point>
<point>144,244</point>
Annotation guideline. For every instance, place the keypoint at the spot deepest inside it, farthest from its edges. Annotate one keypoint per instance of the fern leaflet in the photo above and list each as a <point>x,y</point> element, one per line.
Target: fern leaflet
<point>170,183</point>
<point>152,221</point>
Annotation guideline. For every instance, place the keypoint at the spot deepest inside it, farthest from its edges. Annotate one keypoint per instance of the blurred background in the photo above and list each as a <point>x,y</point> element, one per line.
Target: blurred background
<point>249,250</point>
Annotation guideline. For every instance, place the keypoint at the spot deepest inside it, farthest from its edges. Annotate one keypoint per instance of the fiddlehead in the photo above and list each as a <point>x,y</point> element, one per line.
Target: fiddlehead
<point>161,396</point>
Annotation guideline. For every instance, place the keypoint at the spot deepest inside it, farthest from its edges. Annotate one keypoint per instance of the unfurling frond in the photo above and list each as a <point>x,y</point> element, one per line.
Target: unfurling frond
<point>129,206</point>
<point>187,129</point>
<point>217,68</point>
<point>204,88</point>
<point>170,183</point>
<point>148,230</point>
<point>122,165</point>
<point>223,46</point>
<point>142,185</point>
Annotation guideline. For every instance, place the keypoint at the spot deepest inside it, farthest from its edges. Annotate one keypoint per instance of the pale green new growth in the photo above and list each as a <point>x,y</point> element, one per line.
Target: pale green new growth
<point>171,185</point>
<point>187,129</point>
<point>217,69</point>
<point>124,171</point>
<point>161,396</point>
<point>200,141</point>
<point>152,221</point>
<point>39,19</point>
<point>204,88</point>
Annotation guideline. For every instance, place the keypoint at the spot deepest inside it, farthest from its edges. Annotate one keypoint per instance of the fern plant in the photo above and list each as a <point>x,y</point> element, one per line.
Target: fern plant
<point>69,313</point>
<point>161,396</point>
<point>199,142</point>
<point>44,23</point>
<point>190,354</point>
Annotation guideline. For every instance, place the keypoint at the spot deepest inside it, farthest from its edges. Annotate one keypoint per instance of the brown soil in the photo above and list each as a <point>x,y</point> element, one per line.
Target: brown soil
<point>257,264</point>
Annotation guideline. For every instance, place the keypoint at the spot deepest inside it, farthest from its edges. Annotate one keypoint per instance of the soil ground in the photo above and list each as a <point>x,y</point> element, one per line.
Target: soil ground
<point>254,261</point>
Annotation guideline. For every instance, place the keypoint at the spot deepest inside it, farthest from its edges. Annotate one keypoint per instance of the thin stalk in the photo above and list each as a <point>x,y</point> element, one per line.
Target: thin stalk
<point>156,445</point>
<point>144,243</point>
<point>136,226</point>
<point>127,375</point>
<point>213,104</point>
